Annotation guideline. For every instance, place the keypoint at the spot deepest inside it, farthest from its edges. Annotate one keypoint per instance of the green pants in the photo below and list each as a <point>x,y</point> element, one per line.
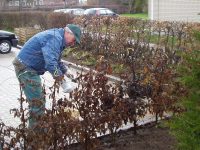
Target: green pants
<point>32,87</point>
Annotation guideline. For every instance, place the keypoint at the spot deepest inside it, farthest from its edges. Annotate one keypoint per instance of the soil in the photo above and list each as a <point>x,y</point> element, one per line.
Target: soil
<point>88,58</point>
<point>149,136</point>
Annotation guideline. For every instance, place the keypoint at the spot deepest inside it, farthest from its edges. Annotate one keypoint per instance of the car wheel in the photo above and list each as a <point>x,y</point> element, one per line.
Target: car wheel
<point>5,47</point>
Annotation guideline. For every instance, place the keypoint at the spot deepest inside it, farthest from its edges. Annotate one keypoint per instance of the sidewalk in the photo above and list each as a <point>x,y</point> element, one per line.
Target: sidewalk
<point>10,91</point>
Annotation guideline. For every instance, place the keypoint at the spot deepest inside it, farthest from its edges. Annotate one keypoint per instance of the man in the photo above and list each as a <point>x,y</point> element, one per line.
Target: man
<point>41,53</point>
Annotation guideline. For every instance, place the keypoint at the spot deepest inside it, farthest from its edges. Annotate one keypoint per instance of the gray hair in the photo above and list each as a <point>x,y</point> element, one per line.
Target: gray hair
<point>67,29</point>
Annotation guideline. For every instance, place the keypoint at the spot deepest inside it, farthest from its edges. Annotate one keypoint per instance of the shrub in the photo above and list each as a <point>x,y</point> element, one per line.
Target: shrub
<point>186,126</point>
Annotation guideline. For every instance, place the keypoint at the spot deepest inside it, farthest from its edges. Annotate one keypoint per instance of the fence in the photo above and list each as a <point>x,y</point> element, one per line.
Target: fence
<point>24,34</point>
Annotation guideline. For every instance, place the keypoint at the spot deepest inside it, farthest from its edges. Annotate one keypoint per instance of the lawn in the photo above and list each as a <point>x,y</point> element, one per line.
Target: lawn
<point>143,15</point>
<point>9,30</point>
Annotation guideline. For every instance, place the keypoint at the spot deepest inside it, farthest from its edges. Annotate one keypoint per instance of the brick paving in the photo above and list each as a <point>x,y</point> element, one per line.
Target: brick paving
<point>10,91</point>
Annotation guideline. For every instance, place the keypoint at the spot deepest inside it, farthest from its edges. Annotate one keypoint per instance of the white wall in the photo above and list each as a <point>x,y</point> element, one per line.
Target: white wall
<point>174,10</point>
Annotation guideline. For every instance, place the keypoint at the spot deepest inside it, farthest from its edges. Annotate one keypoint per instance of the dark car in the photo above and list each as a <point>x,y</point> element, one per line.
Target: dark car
<point>100,11</point>
<point>7,40</point>
<point>75,11</point>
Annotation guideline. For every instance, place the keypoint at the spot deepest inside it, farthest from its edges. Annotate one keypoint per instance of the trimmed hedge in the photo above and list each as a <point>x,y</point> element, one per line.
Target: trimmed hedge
<point>41,19</point>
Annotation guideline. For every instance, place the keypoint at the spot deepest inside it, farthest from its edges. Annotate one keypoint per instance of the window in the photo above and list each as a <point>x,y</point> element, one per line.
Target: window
<point>109,12</point>
<point>41,2</point>
<point>24,3</point>
<point>102,12</point>
<point>34,3</point>
<point>78,12</point>
<point>89,12</point>
<point>52,3</point>
<point>16,3</point>
<point>10,3</point>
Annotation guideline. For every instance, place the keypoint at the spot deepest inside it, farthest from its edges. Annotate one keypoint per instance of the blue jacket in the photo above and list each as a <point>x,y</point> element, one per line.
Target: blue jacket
<point>43,52</point>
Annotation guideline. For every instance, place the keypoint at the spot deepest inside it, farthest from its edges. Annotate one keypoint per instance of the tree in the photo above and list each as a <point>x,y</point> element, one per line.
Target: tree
<point>139,6</point>
<point>135,6</point>
<point>20,5</point>
<point>131,5</point>
<point>92,2</point>
<point>186,126</point>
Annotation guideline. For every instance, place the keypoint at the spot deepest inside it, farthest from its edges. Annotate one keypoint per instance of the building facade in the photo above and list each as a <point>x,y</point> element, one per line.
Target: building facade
<point>11,3</point>
<point>174,10</point>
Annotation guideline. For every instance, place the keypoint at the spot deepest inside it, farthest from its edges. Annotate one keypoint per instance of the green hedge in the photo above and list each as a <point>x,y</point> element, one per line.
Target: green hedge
<point>44,20</point>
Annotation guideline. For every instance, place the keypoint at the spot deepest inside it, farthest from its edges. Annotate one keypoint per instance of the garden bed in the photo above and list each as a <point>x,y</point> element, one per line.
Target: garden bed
<point>149,137</point>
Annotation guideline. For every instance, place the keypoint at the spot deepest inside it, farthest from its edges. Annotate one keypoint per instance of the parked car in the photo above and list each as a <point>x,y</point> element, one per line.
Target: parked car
<point>7,40</point>
<point>100,11</point>
<point>59,10</point>
<point>75,11</point>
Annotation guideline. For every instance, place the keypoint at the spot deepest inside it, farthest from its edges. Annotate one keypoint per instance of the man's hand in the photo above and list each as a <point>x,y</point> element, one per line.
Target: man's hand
<point>75,80</point>
<point>71,76</point>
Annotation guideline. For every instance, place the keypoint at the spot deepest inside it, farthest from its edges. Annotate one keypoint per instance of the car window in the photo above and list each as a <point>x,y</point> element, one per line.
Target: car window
<point>102,12</point>
<point>68,11</point>
<point>78,12</point>
<point>89,12</point>
<point>109,12</point>
<point>59,10</point>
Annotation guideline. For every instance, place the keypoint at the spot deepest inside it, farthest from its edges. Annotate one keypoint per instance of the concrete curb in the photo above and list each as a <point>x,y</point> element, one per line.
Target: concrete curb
<point>85,69</point>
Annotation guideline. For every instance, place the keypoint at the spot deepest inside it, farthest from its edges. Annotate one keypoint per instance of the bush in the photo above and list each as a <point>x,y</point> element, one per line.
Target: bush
<point>59,20</point>
<point>149,87</point>
<point>186,126</point>
<point>41,19</point>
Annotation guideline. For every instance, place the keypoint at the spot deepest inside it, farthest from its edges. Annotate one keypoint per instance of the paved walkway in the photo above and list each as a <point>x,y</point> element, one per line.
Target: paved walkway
<point>9,91</point>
